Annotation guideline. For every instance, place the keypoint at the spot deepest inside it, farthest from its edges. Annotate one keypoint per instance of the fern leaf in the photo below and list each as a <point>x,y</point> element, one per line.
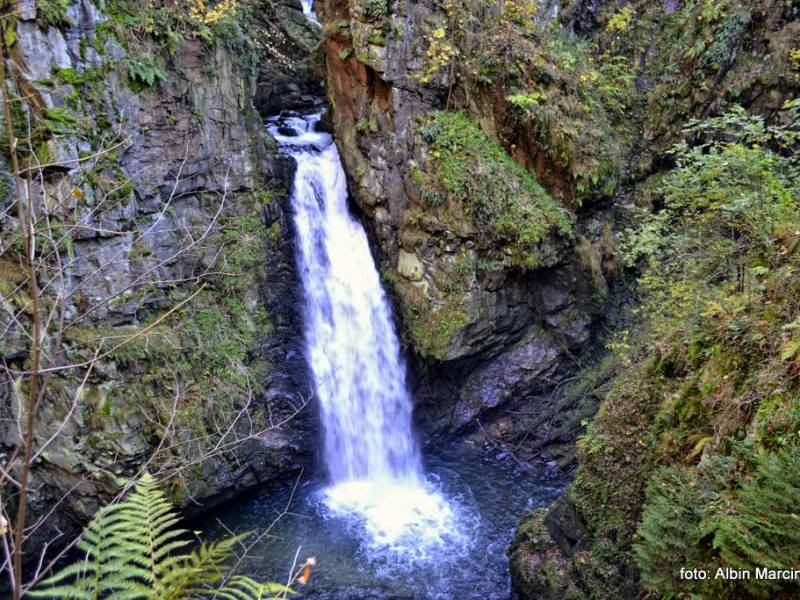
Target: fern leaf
<point>133,552</point>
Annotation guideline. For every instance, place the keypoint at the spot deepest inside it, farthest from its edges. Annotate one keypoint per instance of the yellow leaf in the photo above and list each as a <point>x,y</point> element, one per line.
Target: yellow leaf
<point>790,349</point>
<point>698,447</point>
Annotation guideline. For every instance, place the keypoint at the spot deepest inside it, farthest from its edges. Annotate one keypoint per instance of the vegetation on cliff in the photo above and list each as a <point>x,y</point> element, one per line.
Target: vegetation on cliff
<point>473,175</point>
<point>692,460</point>
<point>699,431</point>
<point>523,127</point>
<point>563,98</point>
<point>133,312</point>
<point>725,315</point>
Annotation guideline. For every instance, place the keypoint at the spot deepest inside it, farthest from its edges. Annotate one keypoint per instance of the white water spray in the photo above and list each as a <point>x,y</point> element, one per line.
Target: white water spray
<point>371,455</point>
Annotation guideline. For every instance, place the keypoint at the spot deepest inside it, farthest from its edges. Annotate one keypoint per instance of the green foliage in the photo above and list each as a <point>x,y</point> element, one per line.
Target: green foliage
<point>133,550</point>
<point>144,72</point>
<point>671,531</point>
<point>527,100</point>
<point>367,125</point>
<point>503,200</point>
<point>58,121</point>
<point>621,20</point>
<point>31,127</point>
<point>165,26</point>
<point>203,359</point>
<point>18,124</point>
<point>428,327</point>
<point>704,414</point>
<point>692,459</point>
<point>53,13</point>
<point>431,329</point>
<point>570,99</point>
<point>720,53</point>
<point>724,208</point>
<point>794,58</point>
<point>574,100</point>
<point>217,343</point>
<point>762,529</point>
<point>109,180</point>
<point>704,518</point>
<point>703,52</point>
<point>374,10</point>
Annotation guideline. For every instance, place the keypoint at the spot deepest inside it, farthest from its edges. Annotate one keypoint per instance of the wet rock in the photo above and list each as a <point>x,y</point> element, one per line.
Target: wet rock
<point>516,371</point>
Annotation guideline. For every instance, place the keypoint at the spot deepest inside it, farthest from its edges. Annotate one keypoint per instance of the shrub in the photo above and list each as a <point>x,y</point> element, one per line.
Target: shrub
<point>694,457</point>
<point>725,207</point>
<point>374,10</point>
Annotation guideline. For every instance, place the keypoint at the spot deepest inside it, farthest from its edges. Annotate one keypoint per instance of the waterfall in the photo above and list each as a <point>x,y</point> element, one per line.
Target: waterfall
<point>308,11</point>
<point>352,349</point>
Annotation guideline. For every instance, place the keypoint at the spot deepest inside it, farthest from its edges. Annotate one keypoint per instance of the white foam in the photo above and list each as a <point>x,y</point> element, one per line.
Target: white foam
<point>402,517</point>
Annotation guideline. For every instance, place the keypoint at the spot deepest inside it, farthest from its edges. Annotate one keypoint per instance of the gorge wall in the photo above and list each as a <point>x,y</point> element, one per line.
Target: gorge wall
<point>445,113</point>
<point>139,127</point>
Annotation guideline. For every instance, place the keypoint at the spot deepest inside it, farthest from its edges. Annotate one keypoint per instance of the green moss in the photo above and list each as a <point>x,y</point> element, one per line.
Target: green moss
<point>109,180</point>
<point>569,100</point>
<point>367,125</point>
<point>202,360</point>
<point>274,233</point>
<point>574,100</point>
<point>377,38</point>
<point>502,199</point>
<point>428,328</point>
<point>28,126</point>
<point>166,27</point>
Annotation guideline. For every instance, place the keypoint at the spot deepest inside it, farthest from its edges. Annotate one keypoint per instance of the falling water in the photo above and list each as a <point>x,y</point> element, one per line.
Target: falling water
<point>308,11</point>
<point>370,452</point>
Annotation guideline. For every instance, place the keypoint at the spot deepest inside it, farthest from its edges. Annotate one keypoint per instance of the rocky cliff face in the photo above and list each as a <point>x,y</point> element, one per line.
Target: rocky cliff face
<point>492,311</point>
<point>143,142</point>
<point>691,60</point>
<point>462,125</point>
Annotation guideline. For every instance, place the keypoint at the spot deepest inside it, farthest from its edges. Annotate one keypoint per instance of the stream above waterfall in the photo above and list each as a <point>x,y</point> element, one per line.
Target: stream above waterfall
<point>488,494</point>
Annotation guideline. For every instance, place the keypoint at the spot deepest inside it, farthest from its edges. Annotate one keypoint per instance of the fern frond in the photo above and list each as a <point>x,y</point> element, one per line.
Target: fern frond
<point>133,552</point>
<point>196,573</point>
<point>764,529</point>
<point>245,588</point>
